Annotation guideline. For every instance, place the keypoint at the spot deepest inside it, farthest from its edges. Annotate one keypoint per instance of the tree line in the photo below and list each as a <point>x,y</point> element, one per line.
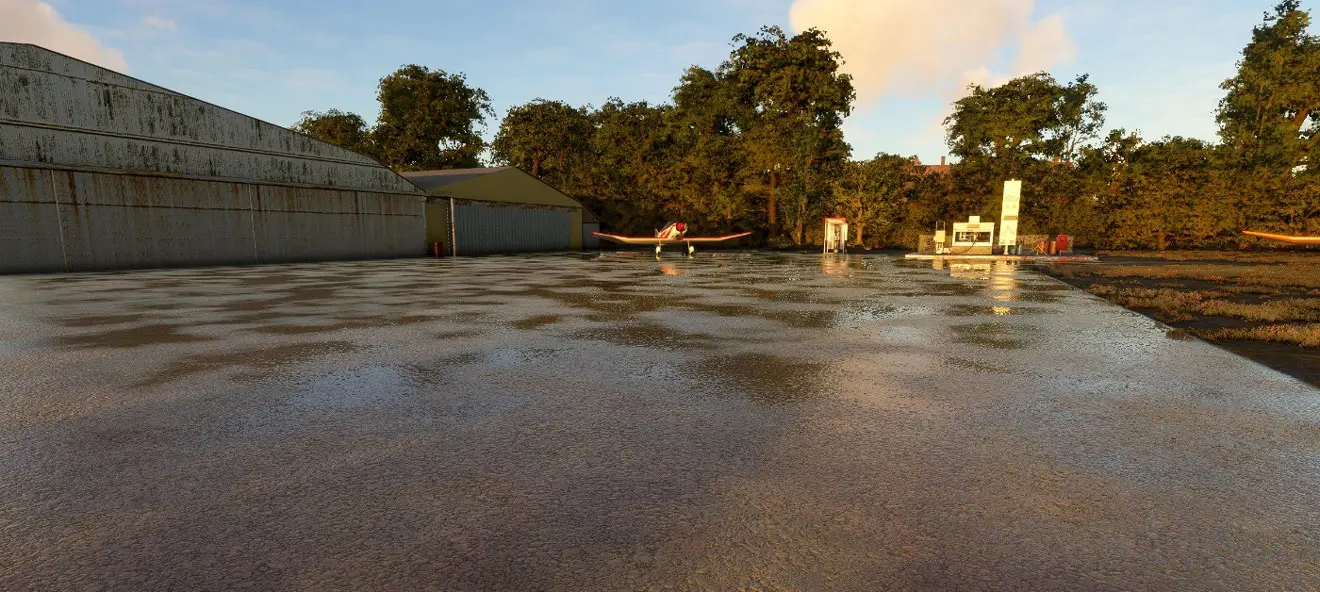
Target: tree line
<point>755,144</point>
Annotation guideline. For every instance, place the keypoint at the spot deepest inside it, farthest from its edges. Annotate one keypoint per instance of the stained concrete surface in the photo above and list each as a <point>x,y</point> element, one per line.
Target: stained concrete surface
<point>581,422</point>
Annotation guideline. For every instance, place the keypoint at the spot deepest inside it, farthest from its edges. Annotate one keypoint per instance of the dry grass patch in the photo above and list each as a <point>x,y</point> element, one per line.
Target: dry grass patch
<point>1307,256</point>
<point>1218,296</point>
<point>1298,309</point>
<point>1170,305</point>
<point>1307,335</point>
<point>1260,276</point>
<point>1183,305</point>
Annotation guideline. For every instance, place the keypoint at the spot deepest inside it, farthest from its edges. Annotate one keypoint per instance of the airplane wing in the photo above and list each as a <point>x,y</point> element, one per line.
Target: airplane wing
<point>634,240</point>
<point>651,240</point>
<point>713,239</point>
<point>1302,240</point>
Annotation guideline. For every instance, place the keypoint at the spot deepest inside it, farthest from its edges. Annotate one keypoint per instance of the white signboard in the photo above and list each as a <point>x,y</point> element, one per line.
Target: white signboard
<point>1008,217</point>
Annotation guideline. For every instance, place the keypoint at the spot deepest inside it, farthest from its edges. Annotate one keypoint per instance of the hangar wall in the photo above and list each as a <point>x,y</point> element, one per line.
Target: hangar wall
<point>102,171</point>
<point>498,210</point>
<point>70,220</point>
<point>483,228</point>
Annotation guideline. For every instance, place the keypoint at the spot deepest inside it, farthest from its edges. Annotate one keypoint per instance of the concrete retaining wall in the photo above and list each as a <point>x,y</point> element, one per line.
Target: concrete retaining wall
<point>70,220</point>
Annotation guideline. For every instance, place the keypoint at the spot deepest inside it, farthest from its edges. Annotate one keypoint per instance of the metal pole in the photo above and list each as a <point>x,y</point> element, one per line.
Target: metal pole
<point>59,212</point>
<point>453,231</point>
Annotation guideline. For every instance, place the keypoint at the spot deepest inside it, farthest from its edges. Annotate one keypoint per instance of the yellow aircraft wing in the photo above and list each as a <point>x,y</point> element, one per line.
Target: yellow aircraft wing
<point>650,240</point>
<point>1301,240</point>
<point>713,239</point>
<point>636,240</point>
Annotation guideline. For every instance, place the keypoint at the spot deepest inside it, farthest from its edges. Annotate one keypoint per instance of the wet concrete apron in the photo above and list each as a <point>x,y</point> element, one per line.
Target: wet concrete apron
<point>734,421</point>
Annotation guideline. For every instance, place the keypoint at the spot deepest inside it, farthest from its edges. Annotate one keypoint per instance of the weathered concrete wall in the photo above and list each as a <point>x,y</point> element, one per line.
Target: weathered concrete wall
<point>56,110</point>
<point>67,220</point>
<point>99,170</point>
<point>32,57</point>
<point>29,222</point>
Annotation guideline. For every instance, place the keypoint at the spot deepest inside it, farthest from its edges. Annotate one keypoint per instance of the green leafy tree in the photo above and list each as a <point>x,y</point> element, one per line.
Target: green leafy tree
<point>1027,117</point>
<point>874,194</point>
<point>709,163</point>
<point>429,119</point>
<point>631,155</point>
<point>549,139</point>
<point>1164,194</point>
<point>792,98</point>
<point>1269,121</point>
<point>340,128</point>
<point>1030,128</point>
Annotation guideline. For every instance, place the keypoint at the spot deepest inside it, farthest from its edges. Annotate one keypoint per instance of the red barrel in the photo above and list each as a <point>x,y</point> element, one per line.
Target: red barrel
<point>1063,243</point>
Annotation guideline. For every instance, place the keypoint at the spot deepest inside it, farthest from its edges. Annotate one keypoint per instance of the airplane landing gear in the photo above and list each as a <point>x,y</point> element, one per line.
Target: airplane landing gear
<point>691,249</point>
<point>657,251</point>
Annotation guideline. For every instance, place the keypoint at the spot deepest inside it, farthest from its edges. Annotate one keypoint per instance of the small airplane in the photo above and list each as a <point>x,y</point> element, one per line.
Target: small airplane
<point>1300,240</point>
<point>675,232</point>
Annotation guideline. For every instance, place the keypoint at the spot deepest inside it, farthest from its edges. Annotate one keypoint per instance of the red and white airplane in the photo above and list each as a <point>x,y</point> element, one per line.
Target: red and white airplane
<point>674,233</point>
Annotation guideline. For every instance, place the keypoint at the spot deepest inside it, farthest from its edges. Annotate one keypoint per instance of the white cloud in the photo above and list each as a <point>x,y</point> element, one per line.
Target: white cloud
<point>156,22</point>
<point>1045,45</point>
<point>936,47</point>
<point>30,21</point>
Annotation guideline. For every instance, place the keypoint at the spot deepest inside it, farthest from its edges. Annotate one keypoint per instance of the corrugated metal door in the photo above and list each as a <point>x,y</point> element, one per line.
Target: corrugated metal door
<point>589,241</point>
<point>482,229</point>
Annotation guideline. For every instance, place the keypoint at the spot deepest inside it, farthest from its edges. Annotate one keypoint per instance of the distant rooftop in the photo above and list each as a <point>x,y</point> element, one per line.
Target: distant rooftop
<point>933,169</point>
<point>428,180</point>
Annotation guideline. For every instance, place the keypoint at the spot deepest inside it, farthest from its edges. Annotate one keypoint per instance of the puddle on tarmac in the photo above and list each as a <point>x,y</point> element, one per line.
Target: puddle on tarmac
<point>600,426</point>
<point>970,310</point>
<point>371,386</point>
<point>649,336</point>
<point>759,376</point>
<point>503,357</point>
<point>455,334</point>
<point>261,362</point>
<point>956,362</point>
<point>140,336</point>
<point>537,322</point>
<point>93,321</point>
<point>1045,297</point>
<point>993,335</point>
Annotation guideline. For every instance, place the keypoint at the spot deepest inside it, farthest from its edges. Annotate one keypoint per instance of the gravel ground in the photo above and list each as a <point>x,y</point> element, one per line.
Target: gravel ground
<point>613,422</point>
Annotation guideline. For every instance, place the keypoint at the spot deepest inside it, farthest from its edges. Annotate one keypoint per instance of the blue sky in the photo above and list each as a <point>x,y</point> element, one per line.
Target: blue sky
<point>1158,65</point>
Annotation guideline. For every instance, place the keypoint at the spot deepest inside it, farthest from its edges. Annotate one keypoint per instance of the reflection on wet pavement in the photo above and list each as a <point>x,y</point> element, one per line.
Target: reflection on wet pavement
<point>605,422</point>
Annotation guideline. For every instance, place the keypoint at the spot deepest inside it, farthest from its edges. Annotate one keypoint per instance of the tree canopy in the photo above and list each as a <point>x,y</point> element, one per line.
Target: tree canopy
<point>756,143</point>
<point>428,119</point>
<point>343,129</point>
